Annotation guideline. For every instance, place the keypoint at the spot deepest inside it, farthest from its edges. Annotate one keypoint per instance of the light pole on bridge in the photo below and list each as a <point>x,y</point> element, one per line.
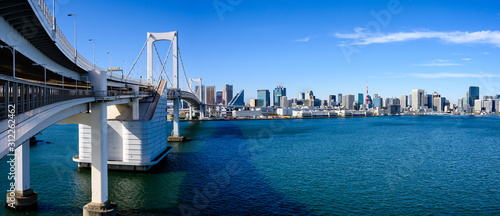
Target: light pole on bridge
<point>76,53</point>
<point>93,50</point>
<point>110,58</point>
<point>13,49</point>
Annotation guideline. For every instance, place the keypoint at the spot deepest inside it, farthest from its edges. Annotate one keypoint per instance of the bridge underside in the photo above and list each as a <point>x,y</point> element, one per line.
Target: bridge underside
<point>20,15</point>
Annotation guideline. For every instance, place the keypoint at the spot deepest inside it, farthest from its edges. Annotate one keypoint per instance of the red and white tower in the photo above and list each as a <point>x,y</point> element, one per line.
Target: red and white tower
<point>367,98</point>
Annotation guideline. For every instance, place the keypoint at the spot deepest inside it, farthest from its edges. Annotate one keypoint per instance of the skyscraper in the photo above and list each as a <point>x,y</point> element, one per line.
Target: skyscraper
<point>263,97</point>
<point>332,100</point>
<point>418,98</point>
<point>210,95</point>
<point>227,93</point>
<point>361,100</point>
<point>473,95</point>
<point>339,98</point>
<point>277,93</point>
<point>239,99</point>
<point>348,101</point>
<point>302,96</point>
<point>218,98</point>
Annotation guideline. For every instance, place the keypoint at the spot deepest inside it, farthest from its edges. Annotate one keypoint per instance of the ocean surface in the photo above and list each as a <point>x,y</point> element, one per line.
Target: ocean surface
<point>401,165</point>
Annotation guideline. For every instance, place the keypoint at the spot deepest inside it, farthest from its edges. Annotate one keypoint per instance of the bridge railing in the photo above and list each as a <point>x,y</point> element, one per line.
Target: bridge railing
<point>80,60</point>
<point>22,96</point>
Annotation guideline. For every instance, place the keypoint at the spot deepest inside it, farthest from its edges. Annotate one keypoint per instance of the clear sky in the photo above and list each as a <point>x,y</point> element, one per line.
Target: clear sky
<point>329,47</point>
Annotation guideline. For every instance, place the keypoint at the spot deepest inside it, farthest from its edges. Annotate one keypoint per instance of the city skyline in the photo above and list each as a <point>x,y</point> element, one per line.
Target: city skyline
<point>395,46</point>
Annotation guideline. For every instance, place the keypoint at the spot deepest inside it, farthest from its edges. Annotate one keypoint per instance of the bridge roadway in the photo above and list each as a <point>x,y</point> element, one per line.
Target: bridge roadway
<point>45,80</point>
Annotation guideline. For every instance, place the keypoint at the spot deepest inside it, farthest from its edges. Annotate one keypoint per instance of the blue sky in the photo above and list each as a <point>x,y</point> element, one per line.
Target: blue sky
<point>329,47</point>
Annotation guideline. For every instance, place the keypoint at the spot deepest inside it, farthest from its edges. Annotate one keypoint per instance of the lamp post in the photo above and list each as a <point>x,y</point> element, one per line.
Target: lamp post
<point>93,50</point>
<point>13,49</point>
<point>44,72</point>
<point>110,58</point>
<point>125,68</point>
<point>74,15</point>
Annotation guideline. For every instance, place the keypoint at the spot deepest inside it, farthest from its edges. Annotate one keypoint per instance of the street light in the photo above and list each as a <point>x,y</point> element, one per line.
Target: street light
<point>13,49</point>
<point>44,72</point>
<point>110,58</point>
<point>75,36</point>
<point>125,67</point>
<point>93,48</point>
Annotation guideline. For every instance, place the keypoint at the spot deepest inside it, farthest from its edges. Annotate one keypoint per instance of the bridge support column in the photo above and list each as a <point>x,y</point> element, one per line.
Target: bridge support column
<point>190,112</point>
<point>23,197</point>
<point>175,131</point>
<point>202,111</point>
<point>135,109</point>
<point>100,204</point>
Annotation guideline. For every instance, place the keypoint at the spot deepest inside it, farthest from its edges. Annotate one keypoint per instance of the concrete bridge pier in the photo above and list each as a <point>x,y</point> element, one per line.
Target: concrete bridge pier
<point>100,205</point>
<point>23,197</point>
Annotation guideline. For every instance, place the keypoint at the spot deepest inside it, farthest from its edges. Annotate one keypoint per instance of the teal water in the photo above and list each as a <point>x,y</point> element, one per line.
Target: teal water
<point>404,165</point>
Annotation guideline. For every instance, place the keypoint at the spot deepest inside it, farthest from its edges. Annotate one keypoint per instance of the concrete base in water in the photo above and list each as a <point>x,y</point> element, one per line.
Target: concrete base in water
<point>178,139</point>
<point>22,200</point>
<point>98,209</point>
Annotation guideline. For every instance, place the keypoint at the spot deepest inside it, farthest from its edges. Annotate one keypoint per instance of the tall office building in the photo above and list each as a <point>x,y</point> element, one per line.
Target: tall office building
<point>302,96</point>
<point>218,98</point>
<point>277,93</point>
<point>309,94</point>
<point>429,101</point>
<point>238,100</point>
<point>339,98</point>
<point>284,102</point>
<point>253,102</point>
<point>377,102</point>
<point>332,100</point>
<point>417,97</point>
<point>202,93</point>
<point>348,101</point>
<point>227,93</point>
<point>263,97</point>
<point>403,99</point>
<point>210,95</point>
<point>361,100</point>
<point>473,95</point>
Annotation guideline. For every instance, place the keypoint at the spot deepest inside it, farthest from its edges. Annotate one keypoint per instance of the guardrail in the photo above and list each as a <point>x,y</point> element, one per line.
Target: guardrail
<point>26,96</point>
<point>80,60</point>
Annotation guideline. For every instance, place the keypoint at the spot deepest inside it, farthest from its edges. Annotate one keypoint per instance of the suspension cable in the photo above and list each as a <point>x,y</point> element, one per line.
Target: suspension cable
<point>157,54</point>
<point>182,64</point>
<point>140,53</point>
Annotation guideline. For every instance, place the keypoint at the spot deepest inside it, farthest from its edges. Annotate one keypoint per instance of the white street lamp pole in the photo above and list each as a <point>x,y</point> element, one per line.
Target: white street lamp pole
<point>93,49</point>
<point>76,53</point>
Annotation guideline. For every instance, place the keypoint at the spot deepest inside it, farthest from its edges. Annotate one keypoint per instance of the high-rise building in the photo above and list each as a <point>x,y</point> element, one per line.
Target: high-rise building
<point>377,102</point>
<point>277,93</point>
<point>429,101</point>
<point>227,93</point>
<point>218,98</point>
<point>253,102</point>
<point>361,100</point>
<point>263,97</point>
<point>403,99</point>
<point>473,95</point>
<point>238,100</point>
<point>210,95</point>
<point>332,100</point>
<point>284,102</point>
<point>418,97</point>
<point>348,101</point>
<point>339,98</point>
<point>309,94</point>
<point>200,94</point>
<point>302,96</point>
<point>478,105</point>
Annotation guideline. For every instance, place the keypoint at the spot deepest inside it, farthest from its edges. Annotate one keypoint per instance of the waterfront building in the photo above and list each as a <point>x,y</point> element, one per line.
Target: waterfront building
<point>238,100</point>
<point>339,98</point>
<point>361,99</point>
<point>461,103</point>
<point>302,96</point>
<point>478,105</point>
<point>418,98</point>
<point>253,102</point>
<point>497,106</point>
<point>332,100</point>
<point>348,101</point>
<point>409,101</point>
<point>218,98</point>
<point>488,106</point>
<point>377,102</point>
<point>198,93</point>
<point>227,93</point>
<point>429,101</point>
<point>486,97</point>
<point>210,95</point>
<point>277,93</point>
<point>403,99</point>
<point>284,102</point>
<point>473,95</point>
<point>370,104</point>
<point>263,97</point>
<point>375,96</point>
<point>309,94</point>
